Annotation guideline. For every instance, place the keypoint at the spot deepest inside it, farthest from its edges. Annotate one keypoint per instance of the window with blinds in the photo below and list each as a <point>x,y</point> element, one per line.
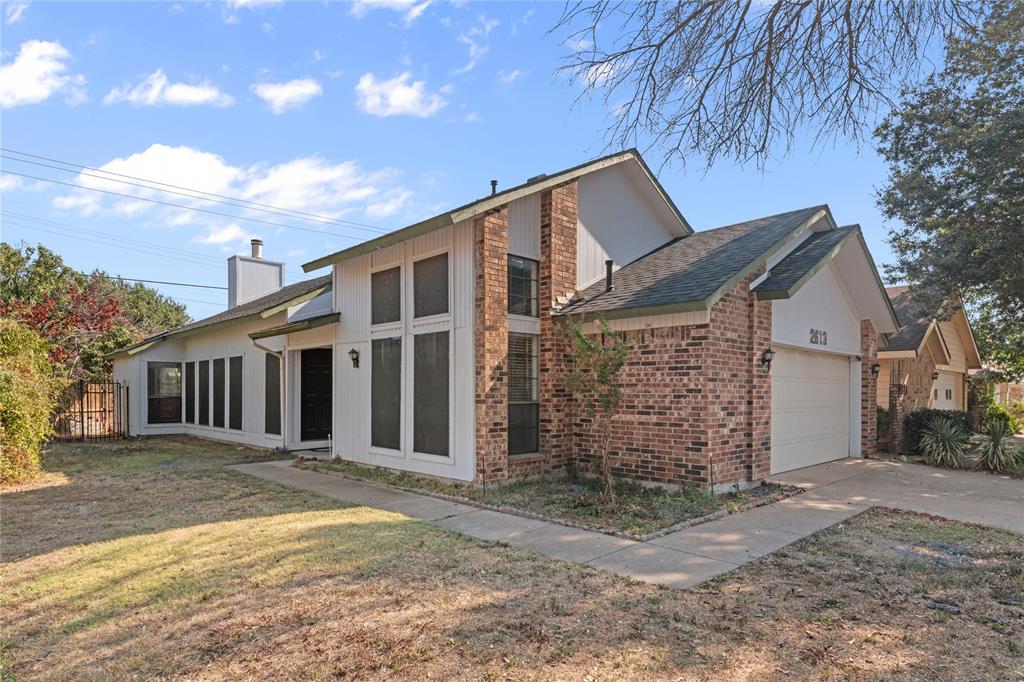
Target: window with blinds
<point>190,393</point>
<point>430,286</point>
<point>163,392</point>
<point>430,394</point>
<point>522,286</point>
<point>235,394</point>
<point>218,393</point>
<point>523,394</point>
<point>204,392</point>
<point>386,296</point>
<point>386,393</point>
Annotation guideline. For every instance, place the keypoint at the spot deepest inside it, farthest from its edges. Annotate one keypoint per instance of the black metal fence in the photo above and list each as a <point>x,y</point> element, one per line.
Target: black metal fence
<point>92,411</point>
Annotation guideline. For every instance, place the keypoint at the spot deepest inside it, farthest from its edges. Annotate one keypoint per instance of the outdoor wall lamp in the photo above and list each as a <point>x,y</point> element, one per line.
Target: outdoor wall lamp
<point>935,376</point>
<point>875,369</point>
<point>767,357</point>
<point>354,357</point>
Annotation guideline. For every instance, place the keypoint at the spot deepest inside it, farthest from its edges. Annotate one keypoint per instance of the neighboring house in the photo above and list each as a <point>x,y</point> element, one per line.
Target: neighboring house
<point>751,345</point>
<point>926,363</point>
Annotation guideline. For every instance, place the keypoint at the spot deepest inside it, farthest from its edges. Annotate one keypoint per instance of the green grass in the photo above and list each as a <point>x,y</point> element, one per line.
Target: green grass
<point>637,509</point>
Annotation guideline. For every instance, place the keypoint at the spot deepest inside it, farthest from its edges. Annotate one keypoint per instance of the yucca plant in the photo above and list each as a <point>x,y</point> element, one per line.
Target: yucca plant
<point>996,452</point>
<point>945,444</point>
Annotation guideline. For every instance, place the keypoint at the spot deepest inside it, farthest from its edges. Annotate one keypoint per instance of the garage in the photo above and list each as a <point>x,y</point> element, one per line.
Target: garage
<point>810,408</point>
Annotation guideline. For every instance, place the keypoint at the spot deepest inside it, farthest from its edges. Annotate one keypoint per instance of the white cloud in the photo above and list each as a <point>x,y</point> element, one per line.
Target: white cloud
<point>38,72</point>
<point>600,75</point>
<point>155,89</point>
<point>224,235</point>
<point>472,40</point>
<point>410,10</point>
<point>10,182</point>
<point>389,205</point>
<point>15,10</point>
<point>507,77</point>
<point>282,97</point>
<point>397,97</point>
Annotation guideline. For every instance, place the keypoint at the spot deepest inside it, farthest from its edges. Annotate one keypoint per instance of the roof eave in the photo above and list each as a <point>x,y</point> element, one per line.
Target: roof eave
<point>776,294</point>
<point>298,326</point>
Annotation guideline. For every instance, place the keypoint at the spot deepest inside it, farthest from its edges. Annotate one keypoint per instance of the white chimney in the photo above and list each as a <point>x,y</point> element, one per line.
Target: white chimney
<point>250,277</point>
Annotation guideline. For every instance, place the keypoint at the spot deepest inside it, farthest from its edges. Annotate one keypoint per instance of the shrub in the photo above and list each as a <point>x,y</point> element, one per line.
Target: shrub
<point>1000,413</point>
<point>881,420</point>
<point>915,423</point>
<point>945,443</point>
<point>28,391</point>
<point>995,452</point>
<point>1016,410</point>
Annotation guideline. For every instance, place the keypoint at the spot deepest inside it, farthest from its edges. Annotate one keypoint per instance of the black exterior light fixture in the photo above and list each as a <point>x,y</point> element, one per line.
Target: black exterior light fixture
<point>875,369</point>
<point>354,357</point>
<point>766,358</point>
<point>935,375</point>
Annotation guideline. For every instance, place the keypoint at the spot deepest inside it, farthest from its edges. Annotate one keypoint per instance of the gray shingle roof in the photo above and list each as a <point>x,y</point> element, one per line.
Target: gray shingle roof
<point>691,269</point>
<point>913,325</point>
<point>242,311</point>
<point>803,262</point>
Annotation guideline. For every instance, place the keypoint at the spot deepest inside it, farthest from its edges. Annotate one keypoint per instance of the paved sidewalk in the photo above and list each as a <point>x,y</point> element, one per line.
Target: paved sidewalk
<point>836,491</point>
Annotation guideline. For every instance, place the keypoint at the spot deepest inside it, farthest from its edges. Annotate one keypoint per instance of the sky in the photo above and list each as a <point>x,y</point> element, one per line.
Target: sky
<point>375,114</point>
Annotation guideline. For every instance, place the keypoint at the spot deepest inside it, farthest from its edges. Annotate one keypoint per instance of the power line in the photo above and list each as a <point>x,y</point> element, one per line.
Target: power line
<point>152,281</point>
<point>173,205</point>
<point>217,198</point>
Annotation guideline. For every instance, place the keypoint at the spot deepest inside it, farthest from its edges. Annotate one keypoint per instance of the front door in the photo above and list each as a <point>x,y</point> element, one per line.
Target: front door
<point>315,394</point>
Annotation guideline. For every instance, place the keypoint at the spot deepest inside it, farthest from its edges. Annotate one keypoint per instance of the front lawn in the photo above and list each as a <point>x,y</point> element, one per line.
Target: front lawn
<point>150,560</point>
<point>637,509</point>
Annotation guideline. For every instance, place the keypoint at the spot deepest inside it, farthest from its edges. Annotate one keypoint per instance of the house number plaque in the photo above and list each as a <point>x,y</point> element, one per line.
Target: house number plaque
<point>819,337</point>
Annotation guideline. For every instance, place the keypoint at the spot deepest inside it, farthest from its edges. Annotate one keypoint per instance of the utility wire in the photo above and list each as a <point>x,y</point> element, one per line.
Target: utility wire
<point>218,198</point>
<point>151,281</point>
<point>173,205</point>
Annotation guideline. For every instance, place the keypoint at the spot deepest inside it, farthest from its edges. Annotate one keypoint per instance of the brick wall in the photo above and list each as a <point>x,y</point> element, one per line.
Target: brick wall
<point>868,389</point>
<point>913,376</point>
<point>490,260</point>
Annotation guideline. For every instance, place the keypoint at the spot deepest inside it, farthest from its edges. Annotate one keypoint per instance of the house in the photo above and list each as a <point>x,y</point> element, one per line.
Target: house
<point>925,364</point>
<point>752,345</point>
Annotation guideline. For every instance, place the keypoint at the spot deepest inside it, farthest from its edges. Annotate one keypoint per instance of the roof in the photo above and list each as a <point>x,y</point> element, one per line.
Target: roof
<point>803,262</point>
<point>261,307</point>
<point>492,201</point>
<point>692,272</point>
<point>297,326</point>
<point>913,325</point>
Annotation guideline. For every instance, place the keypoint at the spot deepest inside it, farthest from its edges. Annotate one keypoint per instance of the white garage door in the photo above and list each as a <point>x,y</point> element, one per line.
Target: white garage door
<point>810,409</point>
<point>944,392</point>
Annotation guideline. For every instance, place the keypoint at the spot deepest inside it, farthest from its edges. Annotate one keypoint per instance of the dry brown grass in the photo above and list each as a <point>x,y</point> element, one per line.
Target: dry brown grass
<point>155,561</point>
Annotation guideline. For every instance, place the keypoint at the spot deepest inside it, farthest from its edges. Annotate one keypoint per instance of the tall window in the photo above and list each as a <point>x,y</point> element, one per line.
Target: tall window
<point>430,394</point>
<point>522,286</point>
<point>272,394</point>
<point>218,393</point>
<point>163,392</point>
<point>235,395</point>
<point>386,393</point>
<point>523,394</point>
<point>190,393</point>
<point>430,286</point>
<point>204,392</point>
<point>386,296</point>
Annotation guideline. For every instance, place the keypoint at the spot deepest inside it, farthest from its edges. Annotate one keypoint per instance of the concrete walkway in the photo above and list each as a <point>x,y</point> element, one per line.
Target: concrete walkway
<point>688,557</point>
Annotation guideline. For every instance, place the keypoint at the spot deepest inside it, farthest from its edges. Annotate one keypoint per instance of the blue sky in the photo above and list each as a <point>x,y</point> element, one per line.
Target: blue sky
<point>380,113</point>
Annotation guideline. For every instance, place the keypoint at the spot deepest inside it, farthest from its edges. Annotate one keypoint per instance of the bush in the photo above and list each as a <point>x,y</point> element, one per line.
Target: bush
<point>915,423</point>
<point>995,452</point>
<point>1000,413</point>
<point>28,391</point>
<point>945,443</point>
<point>1016,410</point>
<point>881,420</point>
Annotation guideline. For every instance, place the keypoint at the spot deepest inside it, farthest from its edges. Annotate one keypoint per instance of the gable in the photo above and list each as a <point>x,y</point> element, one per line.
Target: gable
<point>822,305</point>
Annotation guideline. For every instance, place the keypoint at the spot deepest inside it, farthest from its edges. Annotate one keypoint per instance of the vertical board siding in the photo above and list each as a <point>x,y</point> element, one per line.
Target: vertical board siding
<point>461,263</point>
<point>819,304</point>
<point>352,298</point>
<point>432,241</point>
<point>524,227</point>
<point>957,355</point>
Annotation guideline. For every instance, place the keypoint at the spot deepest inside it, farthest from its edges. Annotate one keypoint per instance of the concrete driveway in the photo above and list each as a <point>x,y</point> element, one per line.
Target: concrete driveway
<point>962,495</point>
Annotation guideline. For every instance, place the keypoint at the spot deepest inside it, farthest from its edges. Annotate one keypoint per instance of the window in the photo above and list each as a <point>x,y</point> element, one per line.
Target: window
<point>522,286</point>
<point>430,286</point>
<point>386,393</point>
<point>430,394</point>
<point>204,392</point>
<point>949,394</point>
<point>163,392</point>
<point>523,394</point>
<point>272,395</point>
<point>190,393</point>
<point>235,395</point>
<point>218,393</point>
<point>386,296</point>
<point>936,394</point>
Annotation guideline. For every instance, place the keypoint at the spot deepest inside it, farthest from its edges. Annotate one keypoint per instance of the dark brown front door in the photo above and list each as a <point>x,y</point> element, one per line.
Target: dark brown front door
<point>315,392</point>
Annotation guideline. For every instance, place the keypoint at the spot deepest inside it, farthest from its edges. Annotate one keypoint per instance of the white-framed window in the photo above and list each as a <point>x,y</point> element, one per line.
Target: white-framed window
<point>523,394</point>
<point>163,393</point>
<point>523,297</point>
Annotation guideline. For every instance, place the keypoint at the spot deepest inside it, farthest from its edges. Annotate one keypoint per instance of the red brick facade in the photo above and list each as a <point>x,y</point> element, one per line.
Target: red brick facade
<point>868,389</point>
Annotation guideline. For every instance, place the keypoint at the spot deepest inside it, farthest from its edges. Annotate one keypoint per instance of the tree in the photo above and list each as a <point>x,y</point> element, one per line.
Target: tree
<point>955,149</point>
<point>737,78</point>
<point>593,378</point>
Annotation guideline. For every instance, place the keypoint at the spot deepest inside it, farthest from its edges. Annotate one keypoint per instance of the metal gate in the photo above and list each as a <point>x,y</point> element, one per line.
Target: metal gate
<point>92,411</point>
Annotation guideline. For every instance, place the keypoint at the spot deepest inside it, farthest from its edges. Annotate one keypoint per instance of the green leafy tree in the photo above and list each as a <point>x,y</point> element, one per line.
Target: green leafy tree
<point>955,149</point>
<point>593,378</point>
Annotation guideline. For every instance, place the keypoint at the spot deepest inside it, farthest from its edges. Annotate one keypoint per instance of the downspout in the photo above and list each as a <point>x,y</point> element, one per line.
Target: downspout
<point>284,390</point>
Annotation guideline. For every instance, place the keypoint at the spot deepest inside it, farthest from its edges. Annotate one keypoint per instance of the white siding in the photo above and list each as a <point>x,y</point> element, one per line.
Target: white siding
<point>616,222</point>
<point>524,227</point>
<point>957,356</point>
<point>352,298</point>
<point>820,304</point>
